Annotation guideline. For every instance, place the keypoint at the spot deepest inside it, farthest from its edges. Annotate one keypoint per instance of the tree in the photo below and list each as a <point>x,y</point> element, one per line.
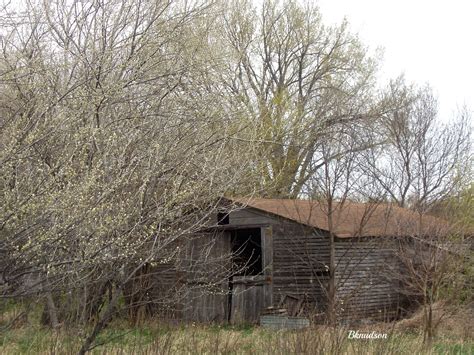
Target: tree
<point>295,80</point>
<point>109,150</point>
<point>423,160</point>
<point>423,163</point>
<point>430,265</point>
<point>333,188</point>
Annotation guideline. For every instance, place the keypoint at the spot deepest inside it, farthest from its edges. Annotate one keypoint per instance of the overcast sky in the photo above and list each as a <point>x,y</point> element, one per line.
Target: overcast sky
<point>429,41</point>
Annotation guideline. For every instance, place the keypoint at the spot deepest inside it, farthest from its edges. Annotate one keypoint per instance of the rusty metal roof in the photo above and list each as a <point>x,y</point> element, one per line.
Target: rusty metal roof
<point>351,219</point>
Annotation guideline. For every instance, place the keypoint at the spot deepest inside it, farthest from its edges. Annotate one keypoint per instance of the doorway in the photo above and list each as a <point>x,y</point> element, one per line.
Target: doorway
<point>246,285</point>
<point>246,252</point>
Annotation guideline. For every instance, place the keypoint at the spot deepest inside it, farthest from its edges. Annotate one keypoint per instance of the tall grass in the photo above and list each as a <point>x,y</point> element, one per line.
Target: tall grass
<point>155,338</point>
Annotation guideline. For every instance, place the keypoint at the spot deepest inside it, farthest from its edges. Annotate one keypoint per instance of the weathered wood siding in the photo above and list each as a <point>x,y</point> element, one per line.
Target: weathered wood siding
<point>247,299</point>
<point>295,263</point>
<point>363,287</point>
<point>192,284</point>
<point>167,291</point>
<point>208,268</point>
<point>300,260</point>
<point>300,268</point>
<point>266,234</point>
<point>248,216</point>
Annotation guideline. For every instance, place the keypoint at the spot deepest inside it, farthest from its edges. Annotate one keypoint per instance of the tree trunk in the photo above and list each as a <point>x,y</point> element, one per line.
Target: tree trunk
<point>428,336</point>
<point>102,322</point>
<point>331,314</point>
<point>52,312</point>
<point>332,284</point>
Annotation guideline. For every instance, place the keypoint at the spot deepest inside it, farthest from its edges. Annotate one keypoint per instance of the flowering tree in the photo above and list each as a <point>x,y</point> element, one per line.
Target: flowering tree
<point>109,147</point>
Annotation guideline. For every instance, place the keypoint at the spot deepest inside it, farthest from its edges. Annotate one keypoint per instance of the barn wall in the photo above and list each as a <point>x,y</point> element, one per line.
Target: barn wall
<point>296,264</point>
<point>159,287</point>
<point>193,283</point>
<point>208,268</point>
<point>301,254</point>
<point>298,256</point>
<point>364,289</point>
<point>250,216</point>
<point>299,264</point>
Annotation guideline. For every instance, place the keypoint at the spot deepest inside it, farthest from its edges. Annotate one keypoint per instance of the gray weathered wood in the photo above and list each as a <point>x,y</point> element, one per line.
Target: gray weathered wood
<point>267,253</point>
<point>208,264</point>
<point>247,299</point>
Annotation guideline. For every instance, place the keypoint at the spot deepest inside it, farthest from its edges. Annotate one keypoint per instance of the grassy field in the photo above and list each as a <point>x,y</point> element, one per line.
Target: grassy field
<point>154,338</point>
<point>25,335</point>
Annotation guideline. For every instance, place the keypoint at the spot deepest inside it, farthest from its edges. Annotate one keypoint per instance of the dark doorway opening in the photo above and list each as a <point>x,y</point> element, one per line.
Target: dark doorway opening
<point>247,252</point>
<point>247,267</point>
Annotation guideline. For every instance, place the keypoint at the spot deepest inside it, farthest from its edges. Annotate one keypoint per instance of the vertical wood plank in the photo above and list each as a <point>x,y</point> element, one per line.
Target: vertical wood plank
<point>204,303</point>
<point>266,234</point>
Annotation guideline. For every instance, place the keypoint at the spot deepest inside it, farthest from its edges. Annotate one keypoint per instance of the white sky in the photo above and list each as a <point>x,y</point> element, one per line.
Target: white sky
<point>429,41</point>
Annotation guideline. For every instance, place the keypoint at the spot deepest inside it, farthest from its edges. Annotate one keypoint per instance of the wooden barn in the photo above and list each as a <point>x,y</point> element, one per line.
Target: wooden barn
<point>268,255</point>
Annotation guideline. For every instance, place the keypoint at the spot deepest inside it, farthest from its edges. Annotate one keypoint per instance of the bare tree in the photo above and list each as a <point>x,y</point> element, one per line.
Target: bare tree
<point>423,160</point>
<point>423,163</point>
<point>428,273</point>
<point>333,188</point>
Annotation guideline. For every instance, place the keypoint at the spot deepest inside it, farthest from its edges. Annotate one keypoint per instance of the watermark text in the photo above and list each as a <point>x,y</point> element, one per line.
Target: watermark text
<point>355,334</point>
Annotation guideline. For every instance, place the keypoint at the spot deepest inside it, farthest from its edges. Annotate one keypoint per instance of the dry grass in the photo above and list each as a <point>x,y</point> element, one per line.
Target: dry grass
<point>404,337</point>
<point>455,321</point>
<point>163,339</point>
